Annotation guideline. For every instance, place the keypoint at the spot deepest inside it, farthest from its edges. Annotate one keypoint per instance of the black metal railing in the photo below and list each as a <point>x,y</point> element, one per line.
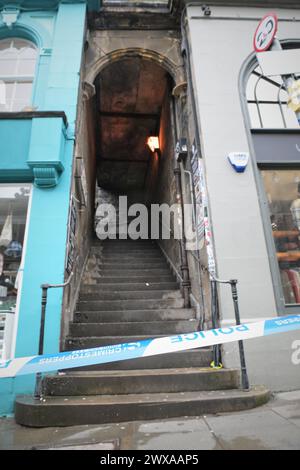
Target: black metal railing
<point>45,288</point>
<point>215,317</point>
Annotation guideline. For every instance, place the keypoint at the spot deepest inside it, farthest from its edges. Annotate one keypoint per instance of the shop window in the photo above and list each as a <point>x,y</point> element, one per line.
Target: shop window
<point>267,102</point>
<point>17,69</point>
<point>276,142</point>
<point>13,212</point>
<point>283,194</point>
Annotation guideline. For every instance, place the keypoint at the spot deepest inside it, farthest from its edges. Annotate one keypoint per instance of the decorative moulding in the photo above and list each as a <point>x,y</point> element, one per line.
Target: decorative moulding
<point>88,90</point>
<point>46,51</point>
<point>10,16</point>
<point>45,177</point>
<point>47,148</point>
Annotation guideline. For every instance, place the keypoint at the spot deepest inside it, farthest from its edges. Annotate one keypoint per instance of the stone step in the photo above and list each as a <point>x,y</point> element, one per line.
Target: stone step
<point>133,328</point>
<point>107,254</point>
<point>127,295</point>
<point>133,304</point>
<point>86,342</point>
<point>94,289</point>
<point>123,243</point>
<point>119,279</point>
<point>140,381</point>
<point>194,358</point>
<point>128,247</point>
<point>158,272</point>
<point>133,268</point>
<point>135,315</point>
<point>132,261</point>
<point>100,409</point>
<point>150,250</point>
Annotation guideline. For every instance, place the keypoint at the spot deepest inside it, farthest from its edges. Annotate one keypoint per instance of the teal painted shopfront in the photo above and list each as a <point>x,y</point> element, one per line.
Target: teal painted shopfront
<point>41,45</point>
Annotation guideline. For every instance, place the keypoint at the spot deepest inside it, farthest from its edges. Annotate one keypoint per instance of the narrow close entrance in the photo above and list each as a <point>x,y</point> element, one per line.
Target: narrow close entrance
<point>132,104</point>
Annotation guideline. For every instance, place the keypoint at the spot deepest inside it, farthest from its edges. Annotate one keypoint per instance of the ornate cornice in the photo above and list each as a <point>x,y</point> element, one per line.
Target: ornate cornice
<point>45,177</point>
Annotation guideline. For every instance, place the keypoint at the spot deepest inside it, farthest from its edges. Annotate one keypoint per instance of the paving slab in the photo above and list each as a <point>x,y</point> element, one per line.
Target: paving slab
<point>275,425</point>
<point>184,434</point>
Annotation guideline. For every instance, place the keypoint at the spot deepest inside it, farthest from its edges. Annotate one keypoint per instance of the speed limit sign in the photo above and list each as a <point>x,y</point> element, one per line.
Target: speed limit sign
<point>265,32</point>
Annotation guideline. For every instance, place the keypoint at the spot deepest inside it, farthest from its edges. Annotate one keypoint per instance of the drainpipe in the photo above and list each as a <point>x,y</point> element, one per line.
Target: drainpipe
<point>185,283</point>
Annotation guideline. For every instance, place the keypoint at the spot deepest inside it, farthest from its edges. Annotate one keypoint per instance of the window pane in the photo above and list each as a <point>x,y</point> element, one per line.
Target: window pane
<point>269,93</point>
<point>13,210</point>
<point>8,66</point>
<point>283,193</point>
<point>15,96</point>
<point>17,62</point>
<point>27,61</point>
<point>6,93</point>
<point>271,115</point>
<point>26,67</point>
<point>22,96</point>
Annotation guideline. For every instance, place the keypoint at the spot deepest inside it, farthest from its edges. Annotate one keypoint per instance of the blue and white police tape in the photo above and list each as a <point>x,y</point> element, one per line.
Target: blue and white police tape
<point>148,347</point>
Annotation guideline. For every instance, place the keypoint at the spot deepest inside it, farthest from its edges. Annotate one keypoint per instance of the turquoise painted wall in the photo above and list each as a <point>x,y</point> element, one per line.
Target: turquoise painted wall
<point>59,35</point>
<point>13,151</point>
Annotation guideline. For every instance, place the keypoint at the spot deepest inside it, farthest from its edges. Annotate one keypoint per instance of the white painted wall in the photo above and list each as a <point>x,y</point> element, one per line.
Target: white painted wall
<point>219,46</point>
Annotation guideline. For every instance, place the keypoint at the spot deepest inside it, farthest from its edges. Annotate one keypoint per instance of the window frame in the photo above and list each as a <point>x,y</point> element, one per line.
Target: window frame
<point>16,79</point>
<point>247,69</point>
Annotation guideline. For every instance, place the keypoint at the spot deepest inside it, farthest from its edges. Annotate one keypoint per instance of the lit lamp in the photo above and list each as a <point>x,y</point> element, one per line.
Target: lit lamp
<point>153,144</point>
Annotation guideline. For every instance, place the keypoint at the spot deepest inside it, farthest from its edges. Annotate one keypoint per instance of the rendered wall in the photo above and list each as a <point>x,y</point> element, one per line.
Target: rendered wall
<point>219,46</point>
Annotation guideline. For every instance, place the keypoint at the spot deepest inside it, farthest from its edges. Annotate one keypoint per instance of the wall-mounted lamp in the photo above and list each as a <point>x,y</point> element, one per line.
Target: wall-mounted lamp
<point>153,143</point>
<point>181,150</point>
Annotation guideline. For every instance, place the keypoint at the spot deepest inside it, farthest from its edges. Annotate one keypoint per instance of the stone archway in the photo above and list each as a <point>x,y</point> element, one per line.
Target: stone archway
<point>163,53</point>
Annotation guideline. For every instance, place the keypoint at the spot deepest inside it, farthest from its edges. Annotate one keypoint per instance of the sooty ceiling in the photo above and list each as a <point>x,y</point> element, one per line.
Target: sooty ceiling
<point>130,94</point>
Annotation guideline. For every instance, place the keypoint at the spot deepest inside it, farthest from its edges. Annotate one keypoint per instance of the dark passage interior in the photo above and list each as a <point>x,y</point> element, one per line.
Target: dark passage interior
<point>132,103</point>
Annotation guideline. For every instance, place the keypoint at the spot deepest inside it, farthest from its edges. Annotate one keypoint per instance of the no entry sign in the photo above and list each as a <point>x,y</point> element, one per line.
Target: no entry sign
<point>265,32</point>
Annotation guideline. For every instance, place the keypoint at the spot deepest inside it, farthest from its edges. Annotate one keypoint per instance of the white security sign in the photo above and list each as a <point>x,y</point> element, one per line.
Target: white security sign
<point>265,33</point>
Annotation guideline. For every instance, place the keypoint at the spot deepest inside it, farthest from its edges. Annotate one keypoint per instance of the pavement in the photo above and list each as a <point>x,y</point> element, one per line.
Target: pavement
<point>274,426</point>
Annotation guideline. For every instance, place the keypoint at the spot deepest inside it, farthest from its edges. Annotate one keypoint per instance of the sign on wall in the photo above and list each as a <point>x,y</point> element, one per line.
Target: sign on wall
<point>265,33</point>
<point>281,147</point>
<point>204,233</point>
<point>71,237</point>
<point>198,188</point>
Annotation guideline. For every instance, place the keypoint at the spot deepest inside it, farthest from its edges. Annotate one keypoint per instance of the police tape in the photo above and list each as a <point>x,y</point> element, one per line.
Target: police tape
<point>146,348</point>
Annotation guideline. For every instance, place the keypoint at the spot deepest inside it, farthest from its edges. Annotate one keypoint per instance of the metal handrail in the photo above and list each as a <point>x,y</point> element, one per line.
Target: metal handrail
<point>45,287</point>
<point>233,284</point>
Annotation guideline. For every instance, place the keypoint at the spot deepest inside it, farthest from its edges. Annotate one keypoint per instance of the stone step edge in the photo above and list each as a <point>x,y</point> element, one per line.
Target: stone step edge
<point>66,411</point>
<point>142,372</point>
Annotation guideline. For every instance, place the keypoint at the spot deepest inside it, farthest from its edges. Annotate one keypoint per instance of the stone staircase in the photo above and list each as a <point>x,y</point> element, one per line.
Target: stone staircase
<point>128,293</point>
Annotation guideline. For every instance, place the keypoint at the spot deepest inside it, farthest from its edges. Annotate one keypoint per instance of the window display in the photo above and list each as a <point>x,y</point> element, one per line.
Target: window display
<point>283,193</point>
<point>13,211</point>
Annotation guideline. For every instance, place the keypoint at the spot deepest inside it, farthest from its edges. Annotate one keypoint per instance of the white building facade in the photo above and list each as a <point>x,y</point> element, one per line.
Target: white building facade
<point>255,233</point>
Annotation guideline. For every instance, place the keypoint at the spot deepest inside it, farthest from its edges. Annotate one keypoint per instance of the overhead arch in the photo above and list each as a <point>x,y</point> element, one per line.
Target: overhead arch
<point>175,71</point>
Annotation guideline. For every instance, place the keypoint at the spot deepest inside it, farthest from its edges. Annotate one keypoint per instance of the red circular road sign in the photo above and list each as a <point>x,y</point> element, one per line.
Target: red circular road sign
<point>265,32</point>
